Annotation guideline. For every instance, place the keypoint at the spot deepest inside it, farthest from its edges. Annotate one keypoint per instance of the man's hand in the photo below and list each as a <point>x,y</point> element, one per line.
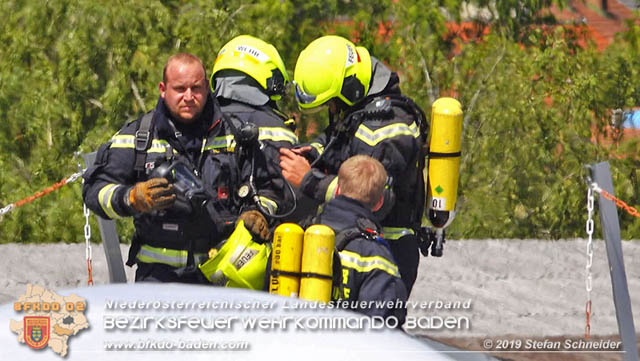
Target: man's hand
<point>294,166</point>
<point>256,224</point>
<point>152,195</point>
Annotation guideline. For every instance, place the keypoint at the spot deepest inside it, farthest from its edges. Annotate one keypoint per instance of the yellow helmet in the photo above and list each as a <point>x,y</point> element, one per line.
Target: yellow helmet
<point>329,67</point>
<point>239,262</point>
<point>256,58</point>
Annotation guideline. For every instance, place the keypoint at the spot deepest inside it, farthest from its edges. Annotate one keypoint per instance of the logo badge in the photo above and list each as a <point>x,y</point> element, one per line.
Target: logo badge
<point>36,331</point>
<point>50,320</point>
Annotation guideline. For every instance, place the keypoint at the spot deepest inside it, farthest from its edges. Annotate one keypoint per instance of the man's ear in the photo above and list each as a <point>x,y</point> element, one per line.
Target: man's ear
<point>162,88</point>
<point>338,189</point>
<point>379,204</point>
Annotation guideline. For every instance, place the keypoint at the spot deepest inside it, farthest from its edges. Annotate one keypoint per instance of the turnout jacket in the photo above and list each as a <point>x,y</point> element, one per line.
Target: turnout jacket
<point>244,102</point>
<point>369,272</point>
<point>164,236</point>
<point>273,135</point>
<point>169,236</point>
<point>392,136</point>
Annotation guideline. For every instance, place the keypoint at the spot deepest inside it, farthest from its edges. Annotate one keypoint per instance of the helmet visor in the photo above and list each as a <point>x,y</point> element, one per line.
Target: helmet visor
<point>302,97</point>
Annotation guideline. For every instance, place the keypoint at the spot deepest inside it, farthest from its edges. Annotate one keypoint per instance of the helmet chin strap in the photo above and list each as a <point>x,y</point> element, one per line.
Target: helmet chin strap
<point>332,116</point>
<point>336,107</point>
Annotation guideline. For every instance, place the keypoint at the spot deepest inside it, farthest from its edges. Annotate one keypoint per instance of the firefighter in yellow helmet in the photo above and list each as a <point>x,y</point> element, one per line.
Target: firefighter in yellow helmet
<point>367,115</point>
<point>248,77</point>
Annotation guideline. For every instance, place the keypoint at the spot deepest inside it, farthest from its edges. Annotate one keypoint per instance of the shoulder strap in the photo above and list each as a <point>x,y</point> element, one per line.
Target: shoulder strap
<point>364,229</point>
<point>382,105</point>
<point>142,140</point>
<point>289,122</point>
<point>345,236</point>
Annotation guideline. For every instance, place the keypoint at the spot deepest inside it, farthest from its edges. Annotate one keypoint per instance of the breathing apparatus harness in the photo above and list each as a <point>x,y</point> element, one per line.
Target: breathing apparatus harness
<point>364,229</point>
<point>381,108</point>
<point>377,108</point>
<point>191,195</point>
<point>247,146</point>
<point>428,239</point>
<point>189,185</point>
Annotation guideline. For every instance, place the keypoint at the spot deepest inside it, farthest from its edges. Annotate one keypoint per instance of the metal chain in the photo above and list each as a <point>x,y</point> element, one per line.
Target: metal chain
<point>594,187</point>
<point>87,230</point>
<point>619,203</point>
<point>87,240</point>
<point>588,276</point>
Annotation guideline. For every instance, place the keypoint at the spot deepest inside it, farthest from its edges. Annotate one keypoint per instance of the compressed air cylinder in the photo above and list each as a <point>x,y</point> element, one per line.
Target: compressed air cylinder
<point>286,260</point>
<point>445,141</point>
<point>317,263</point>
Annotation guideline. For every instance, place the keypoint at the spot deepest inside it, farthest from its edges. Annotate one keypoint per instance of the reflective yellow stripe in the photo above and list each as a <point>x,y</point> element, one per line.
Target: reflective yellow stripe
<point>158,146</point>
<point>123,141</point>
<point>278,134</point>
<point>367,264</point>
<point>373,137</point>
<point>318,147</point>
<point>396,232</point>
<point>275,134</point>
<point>271,206</point>
<point>224,142</point>
<point>104,198</point>
<point>331,190</point>
<point>129,141</point>
<point>171,257</point>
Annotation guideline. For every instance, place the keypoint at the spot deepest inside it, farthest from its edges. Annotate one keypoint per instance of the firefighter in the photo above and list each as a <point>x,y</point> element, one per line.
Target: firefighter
<point>248,78</point>
<point>122,182</point>
<point>243,169</point>
<point>369,281</point>
<point>367,115</point>
<point>163,169</point>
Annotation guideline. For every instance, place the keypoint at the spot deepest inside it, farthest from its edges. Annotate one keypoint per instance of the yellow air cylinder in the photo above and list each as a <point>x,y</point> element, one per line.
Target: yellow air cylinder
<point>445,141</point>
<point>286,259</point>
<point>317,263</point>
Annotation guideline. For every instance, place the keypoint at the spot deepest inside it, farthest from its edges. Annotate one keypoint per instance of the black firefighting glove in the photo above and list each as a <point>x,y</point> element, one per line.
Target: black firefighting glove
<point>256,224</point>
<point>152,195</point>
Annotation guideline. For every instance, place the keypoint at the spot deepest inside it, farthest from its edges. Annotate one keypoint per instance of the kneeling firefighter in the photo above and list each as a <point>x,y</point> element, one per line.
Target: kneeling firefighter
<point>346,247</point>
<point>244,175</point>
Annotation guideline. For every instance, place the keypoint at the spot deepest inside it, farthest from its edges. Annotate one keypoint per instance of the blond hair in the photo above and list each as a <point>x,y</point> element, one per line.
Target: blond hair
<point>362,178</point>
<point>183,58</point>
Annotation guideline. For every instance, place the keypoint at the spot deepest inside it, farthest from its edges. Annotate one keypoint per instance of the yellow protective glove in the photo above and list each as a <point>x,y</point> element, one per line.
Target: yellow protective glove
<point>152,195</point>
<point>256,224</point>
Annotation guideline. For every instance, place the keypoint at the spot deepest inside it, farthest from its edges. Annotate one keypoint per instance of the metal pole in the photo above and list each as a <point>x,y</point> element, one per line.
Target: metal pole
<point>611,230</point>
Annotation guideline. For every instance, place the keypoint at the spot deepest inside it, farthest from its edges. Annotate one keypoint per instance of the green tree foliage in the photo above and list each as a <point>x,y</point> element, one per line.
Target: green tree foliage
<point>72,72</point>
